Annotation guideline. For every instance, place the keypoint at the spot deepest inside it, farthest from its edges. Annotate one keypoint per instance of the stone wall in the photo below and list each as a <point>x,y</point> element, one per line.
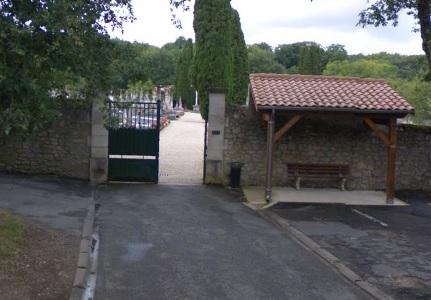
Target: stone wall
<point>337,139</point>
<point>63,149</point>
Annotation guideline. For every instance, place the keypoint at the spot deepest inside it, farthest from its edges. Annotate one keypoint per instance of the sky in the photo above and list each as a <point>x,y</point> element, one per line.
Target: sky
<point>282,22</point>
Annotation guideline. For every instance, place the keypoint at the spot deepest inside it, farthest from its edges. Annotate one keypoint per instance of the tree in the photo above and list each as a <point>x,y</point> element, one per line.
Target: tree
<point>366,68</point>
<point>127,64</point>
<point>238,87</point>
<point>418,93</point>
<point>159,65</point>
<point>176,47</point>
<point>310,60</point>
<point>211,25</point>
<point>263,61</point>
<point>264,46</point>
<point>183,83</point>
<point>288,54</point>
<point>383,12</point>
<point>221,59</point>
<point>52,51</point>
<point>334,52</point>
<point>409,66</point>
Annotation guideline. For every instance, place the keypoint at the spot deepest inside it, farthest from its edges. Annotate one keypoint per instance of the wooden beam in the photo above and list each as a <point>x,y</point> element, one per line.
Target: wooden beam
<point>380,134</point>
<point>392,159</point>
<point>286,127</point>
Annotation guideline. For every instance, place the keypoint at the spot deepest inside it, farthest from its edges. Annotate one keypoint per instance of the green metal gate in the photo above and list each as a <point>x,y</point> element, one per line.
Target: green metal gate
<point>134,141</point>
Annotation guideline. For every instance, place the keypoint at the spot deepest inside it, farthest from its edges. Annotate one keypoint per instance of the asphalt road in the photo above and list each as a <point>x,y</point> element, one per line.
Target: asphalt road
<point>51,202</point>
<point>390,247</point>
<point>199,242</point>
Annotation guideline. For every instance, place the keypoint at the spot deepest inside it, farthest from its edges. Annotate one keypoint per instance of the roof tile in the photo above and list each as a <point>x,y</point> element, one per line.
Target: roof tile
<point>330,92</point>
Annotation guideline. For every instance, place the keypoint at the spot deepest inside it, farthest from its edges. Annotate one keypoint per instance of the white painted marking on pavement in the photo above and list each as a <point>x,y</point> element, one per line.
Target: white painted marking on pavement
<point>370,217</point>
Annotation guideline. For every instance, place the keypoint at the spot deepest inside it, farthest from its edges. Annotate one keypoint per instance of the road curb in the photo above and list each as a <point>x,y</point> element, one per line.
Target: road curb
<point>85,247</point>
<point>331,259</point>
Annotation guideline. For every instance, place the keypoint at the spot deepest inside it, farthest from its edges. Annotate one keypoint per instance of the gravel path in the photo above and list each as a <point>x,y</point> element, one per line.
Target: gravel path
<point>182,151</point>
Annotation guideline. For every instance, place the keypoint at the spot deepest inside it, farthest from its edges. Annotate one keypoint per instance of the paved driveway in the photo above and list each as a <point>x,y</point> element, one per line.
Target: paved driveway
<point>182,150</point>
<point>198,242</point>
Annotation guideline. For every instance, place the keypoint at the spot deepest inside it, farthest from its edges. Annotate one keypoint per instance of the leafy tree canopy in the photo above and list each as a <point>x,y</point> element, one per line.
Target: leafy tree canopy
<point>310,60</point>
<point>335,52</point>
<point>263,61</point>
<point>384,12</point>
<point>176,47</point>
<point>418,93</point>
<point>264,46</point>
<point>52,50</point>
<point>288,54</point>
<point>366,68</point>
<point>183,81</point>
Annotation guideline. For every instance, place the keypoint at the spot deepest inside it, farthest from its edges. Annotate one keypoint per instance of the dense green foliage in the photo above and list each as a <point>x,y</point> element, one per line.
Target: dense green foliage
<point>212,58</point>
<point>133,62</point>
<point>237,90</point>
<point>408,66</point>
<point>220,52</point>
<point>183,82</point>
<point>263,61</point>
<point>176,47</point>
<point>418,93</point>
<point>310,60</point>
<point>288,54</point>
<point>52,51</point>
<point>366,68</point>
<point>301,57</point>
<point>383,12</point>
<point>334,52</point>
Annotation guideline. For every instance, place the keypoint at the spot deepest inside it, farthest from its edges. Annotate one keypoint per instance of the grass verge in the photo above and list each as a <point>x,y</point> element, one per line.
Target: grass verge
<point>11,237</point>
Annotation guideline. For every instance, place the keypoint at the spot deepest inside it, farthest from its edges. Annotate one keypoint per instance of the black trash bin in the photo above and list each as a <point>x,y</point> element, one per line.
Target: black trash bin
<point>235,174</point>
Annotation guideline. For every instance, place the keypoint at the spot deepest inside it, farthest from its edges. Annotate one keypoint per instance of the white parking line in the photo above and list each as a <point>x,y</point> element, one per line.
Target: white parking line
<point>370,218</point>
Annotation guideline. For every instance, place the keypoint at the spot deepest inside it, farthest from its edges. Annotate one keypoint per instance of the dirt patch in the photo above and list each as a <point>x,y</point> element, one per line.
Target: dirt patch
<point>42,267</point>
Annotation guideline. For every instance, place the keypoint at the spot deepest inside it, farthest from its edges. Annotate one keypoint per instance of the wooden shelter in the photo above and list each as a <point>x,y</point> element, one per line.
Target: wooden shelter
<point>295,96</point>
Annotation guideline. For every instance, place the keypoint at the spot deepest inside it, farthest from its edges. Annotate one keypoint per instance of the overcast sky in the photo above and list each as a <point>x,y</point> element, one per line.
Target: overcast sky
<point>282,22</point>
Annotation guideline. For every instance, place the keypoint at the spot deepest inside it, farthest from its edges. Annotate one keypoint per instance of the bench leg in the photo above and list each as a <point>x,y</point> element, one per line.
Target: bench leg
<point>343,184</point>
<point>298,183</point>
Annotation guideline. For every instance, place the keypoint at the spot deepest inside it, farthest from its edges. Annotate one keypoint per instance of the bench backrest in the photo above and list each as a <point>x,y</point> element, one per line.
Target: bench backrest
<point>317,169</point>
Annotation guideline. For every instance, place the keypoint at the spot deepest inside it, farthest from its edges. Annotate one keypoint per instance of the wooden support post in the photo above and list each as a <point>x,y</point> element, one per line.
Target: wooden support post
<point>392,158</point>
<point>283,130</point>
<point>269,153</point>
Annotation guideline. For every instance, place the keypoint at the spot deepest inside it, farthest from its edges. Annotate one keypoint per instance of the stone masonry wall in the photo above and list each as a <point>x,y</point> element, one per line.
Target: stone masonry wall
<point>333,139</point>
<point>63,149</point>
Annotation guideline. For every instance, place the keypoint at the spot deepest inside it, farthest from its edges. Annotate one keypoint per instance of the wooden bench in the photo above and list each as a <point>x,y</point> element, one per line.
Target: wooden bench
<point>318,171</point>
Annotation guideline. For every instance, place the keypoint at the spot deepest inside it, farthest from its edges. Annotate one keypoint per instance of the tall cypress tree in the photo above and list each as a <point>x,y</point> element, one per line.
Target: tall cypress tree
<point>310,60</point>
<point>213,54</point>
<point>238,87</point>
<point>183,84</point>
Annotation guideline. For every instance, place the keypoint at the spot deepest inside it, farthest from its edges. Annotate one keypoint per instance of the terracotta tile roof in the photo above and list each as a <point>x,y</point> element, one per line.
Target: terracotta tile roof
<point>326,92</point>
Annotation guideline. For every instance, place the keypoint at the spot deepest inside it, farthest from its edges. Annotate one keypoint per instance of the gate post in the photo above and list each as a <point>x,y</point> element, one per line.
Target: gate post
<point>216,123</point>
<point>99,145</point>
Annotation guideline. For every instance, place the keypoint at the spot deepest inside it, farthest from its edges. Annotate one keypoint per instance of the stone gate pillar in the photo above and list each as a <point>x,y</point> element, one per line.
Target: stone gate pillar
<point>216,123</point>
<point>99,145</point>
